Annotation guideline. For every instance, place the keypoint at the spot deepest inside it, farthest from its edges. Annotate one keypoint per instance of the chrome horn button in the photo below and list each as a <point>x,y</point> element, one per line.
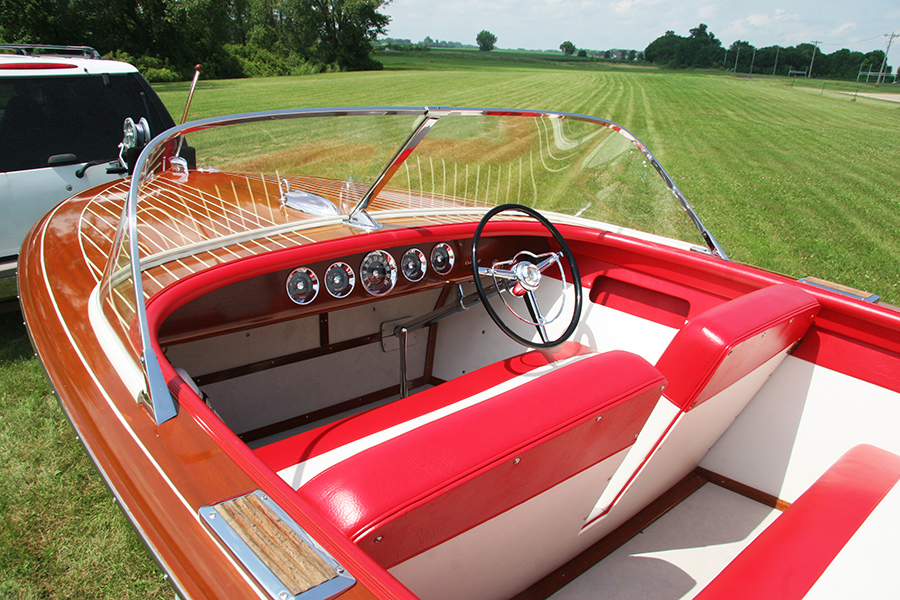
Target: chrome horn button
<point>527,275</point>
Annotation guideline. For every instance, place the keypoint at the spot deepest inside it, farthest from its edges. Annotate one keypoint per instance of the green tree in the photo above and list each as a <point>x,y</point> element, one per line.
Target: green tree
<point>568,48</point>
<point>701,49</point>
<point>662,49</point>
<point>485,40</point>
<point>345,30</point>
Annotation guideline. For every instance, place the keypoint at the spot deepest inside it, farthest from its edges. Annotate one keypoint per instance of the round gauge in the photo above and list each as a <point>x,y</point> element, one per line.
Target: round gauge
<point>339,280</point>
<point>442,258</point>
<point>302,285</point>
<point>378,272</point>
<point>413,264</point>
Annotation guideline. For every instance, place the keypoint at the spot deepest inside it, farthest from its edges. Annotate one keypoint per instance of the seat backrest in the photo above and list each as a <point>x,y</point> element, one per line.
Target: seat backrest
<point>721,357</point>
<point>723,345</point>
<point>412,492</point>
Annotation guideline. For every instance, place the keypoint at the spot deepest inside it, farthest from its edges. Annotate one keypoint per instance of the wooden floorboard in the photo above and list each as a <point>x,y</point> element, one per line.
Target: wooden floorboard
<point>744,490</point>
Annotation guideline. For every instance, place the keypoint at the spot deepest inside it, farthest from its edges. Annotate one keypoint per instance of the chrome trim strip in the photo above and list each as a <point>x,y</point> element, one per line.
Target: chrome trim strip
<point>358,216</point>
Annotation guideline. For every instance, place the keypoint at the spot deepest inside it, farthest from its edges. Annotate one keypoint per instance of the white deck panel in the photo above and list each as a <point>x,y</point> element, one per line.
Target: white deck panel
<point>678,554</point>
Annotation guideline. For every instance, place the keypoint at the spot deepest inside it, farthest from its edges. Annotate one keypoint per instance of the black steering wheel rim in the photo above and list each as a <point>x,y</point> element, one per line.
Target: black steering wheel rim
<point>567,254</point>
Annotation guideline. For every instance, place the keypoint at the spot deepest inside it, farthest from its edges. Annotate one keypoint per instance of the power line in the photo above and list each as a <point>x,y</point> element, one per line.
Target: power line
<point>857,42</point>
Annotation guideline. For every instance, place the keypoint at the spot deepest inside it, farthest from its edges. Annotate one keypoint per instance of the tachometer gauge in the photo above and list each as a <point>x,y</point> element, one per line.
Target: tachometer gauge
<point>378,272</point>
<point>413,264</point>
<point>302,285</point>
<point>340,279</point>
<point>442,258</point>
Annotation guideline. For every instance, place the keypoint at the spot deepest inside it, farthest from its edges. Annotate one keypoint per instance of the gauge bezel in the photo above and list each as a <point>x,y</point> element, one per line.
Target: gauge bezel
<point>351,279</point>
<point>451,262</point>
<point>390,275</point>
<point>314,280</point>
<point>423,264</point>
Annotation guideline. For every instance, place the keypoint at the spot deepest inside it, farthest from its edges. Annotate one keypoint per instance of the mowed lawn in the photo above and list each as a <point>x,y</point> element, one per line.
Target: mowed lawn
<point>788,175</point>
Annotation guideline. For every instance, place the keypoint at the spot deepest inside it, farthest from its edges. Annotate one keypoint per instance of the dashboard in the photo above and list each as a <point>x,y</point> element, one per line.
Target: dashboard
<point>378,273</point>
<point>334,282</point>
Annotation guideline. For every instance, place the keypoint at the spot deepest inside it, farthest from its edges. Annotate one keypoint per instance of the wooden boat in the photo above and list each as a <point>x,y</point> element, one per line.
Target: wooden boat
<point>460,353</point>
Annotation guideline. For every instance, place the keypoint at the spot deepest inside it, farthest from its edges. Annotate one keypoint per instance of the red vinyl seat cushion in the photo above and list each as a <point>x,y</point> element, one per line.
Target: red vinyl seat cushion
<point>309,444</point>
<point>786,559</point>
<point>725,343</point>
<point>409,493</point>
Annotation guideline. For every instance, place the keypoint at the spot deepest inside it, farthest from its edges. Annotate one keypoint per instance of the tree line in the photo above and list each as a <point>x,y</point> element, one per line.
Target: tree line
<point>231,38</point>
<point>701,49</point>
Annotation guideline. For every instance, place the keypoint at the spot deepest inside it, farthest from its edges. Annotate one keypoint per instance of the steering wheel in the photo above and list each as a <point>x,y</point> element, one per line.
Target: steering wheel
<point>521,276</point>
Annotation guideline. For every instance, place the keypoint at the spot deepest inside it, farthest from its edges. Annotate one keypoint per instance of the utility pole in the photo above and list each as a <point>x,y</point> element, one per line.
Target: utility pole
<point>775,68</point>
<point>816,47</point>
<point>890,39</point>
<point>736,57</point>
<point>725,60</point>
<point>752,60</point>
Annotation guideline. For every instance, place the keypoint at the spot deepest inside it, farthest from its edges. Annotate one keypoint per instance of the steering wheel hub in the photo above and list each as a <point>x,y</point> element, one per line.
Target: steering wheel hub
<point>528,276</point>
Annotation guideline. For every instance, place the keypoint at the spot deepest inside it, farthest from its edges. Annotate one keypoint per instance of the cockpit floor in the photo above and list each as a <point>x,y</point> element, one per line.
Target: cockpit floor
<point>679,554</point>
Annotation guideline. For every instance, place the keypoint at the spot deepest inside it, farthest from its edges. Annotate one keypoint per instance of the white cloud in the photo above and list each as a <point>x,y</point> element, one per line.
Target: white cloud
<point>708,11</point>
<point>759,20</point>
<point>623,6</point>
<point>837,31</point>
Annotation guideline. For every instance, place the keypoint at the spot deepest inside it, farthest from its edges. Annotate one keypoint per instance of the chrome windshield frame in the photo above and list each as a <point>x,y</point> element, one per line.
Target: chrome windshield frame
<point>158,396</point>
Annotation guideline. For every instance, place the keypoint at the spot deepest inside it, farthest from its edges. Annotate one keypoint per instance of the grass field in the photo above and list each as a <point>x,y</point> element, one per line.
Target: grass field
<point>790,175</point>
<point>787,175</point>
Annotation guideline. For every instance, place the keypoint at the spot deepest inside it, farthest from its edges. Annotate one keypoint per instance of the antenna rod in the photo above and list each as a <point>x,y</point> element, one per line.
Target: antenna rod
<point>191,93</point>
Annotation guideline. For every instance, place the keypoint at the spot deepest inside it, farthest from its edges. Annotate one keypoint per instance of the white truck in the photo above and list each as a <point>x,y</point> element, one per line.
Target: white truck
<point>61,115</point>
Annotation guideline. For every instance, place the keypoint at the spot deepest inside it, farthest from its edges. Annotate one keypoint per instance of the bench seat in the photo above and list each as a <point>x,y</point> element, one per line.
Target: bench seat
<point>408,493</point>
<point>785,561</point>
<point>299,457</point>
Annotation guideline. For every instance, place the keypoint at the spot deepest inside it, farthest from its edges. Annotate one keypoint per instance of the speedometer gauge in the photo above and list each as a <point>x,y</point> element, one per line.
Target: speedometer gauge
<point>339,280</point>
<point>413,264</point>
<point>302,285</point>
<point>442,258</point>
<point>378,272</point>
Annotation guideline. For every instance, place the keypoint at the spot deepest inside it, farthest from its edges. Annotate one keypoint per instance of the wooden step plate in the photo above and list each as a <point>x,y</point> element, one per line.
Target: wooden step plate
<point>276,551</point>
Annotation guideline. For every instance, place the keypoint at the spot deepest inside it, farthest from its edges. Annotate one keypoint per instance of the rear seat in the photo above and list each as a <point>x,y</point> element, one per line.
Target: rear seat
<point>407,493</point>
<point>787,559</point>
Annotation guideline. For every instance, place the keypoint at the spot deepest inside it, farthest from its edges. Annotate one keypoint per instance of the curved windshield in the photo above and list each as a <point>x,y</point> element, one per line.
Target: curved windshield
<point>260,179</point>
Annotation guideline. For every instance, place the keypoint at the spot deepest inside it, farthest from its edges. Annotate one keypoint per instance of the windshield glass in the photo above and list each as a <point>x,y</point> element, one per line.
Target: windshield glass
<point>384,160</point>
<point>261,179</point>
<point>553,163</point>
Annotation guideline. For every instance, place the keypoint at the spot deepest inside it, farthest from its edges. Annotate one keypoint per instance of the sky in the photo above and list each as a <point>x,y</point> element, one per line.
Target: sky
<point>633,24</point>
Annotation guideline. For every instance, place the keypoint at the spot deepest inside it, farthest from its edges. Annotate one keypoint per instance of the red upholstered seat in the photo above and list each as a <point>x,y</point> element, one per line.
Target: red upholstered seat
<point>724,344</point>
<point>316,442</point>
<point>786,559</point>
<point>724,355</point>
<point>409,493</point>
